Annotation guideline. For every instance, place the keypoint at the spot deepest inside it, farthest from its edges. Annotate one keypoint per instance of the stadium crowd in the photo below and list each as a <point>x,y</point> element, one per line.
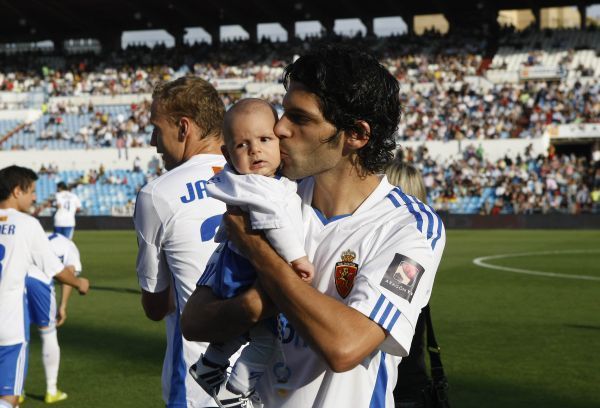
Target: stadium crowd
<point>439,103</point>
<point>503,111</point>
<point>528,184</point>
<point>99,128</point>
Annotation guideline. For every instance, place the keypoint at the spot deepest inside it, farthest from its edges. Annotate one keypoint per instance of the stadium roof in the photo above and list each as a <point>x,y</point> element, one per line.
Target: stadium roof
<point>34,20</point>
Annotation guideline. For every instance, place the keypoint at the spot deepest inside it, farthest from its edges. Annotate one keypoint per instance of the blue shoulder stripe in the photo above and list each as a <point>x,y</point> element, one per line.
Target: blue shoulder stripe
<point>377,307</point>
<point>390,326</point>
<point>429,219</point>
<point>410,207</point>
<point>419,209</point>
<point>393,200</point>
<point>386,313</point>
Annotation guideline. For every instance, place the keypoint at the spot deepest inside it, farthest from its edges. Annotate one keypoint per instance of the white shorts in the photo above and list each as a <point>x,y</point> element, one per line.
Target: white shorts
<point>41,302</point>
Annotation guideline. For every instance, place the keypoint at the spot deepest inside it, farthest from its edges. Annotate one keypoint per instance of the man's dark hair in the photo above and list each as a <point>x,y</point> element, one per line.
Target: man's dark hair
<point>12,177</point>
<point>352,85</point>
<point>61,186</point>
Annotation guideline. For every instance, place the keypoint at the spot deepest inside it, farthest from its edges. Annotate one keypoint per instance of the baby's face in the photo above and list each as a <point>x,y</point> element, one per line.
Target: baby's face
<point>254,148</point>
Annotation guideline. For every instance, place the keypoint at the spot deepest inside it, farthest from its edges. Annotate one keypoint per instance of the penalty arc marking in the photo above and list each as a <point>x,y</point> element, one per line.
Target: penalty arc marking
<point>481,261</point>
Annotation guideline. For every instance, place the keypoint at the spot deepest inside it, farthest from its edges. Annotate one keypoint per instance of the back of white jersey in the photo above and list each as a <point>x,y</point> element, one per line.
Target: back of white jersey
<point>176,222</point>
<point>22,243</point>
<point>65,250</point>
<point>67,205</point>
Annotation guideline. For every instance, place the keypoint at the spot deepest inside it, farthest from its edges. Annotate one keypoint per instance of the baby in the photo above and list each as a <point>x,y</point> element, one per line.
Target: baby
<point>250,181</point>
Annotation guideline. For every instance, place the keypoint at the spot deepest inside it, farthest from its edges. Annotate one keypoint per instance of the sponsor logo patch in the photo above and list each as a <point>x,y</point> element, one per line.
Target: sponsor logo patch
<point>345,272</point>
<point>402,277</point>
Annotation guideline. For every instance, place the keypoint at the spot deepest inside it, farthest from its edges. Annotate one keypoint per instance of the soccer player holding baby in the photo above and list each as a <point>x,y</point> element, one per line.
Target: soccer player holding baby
<point>375,249</point>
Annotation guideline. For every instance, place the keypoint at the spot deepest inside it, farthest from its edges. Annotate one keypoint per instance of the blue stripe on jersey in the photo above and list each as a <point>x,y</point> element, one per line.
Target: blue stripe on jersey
<point>390,326</point>
<point>26,320</point>
<point>377,307</point>
<point>386,313</point>
<point>393,200</point>
<point>429,219</point>
<point>177,390</point>
<point>439,231</point>
<point>378,397</point>
<point>52,236</point>
<point>429,212</point>
<point>410,207</point>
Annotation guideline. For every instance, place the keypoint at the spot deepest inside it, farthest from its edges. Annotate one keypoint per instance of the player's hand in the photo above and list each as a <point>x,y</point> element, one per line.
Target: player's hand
<point>239,231</point>
<point>84,286</point>
<point>61,316</point>
<point>304,269</point>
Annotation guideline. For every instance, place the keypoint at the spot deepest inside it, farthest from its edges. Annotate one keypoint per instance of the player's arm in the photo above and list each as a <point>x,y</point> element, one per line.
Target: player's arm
<point>67,277</point>
<point>329,326</point>
<point>61,314</point>
<point>208,318</point>
<point>47,261</point>
<point>71,257</point>
<point>152,270</point>
<point>157,305</point>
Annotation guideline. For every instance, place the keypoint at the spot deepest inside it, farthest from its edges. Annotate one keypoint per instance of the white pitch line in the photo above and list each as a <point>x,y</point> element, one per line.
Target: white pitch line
<point>481,262</point>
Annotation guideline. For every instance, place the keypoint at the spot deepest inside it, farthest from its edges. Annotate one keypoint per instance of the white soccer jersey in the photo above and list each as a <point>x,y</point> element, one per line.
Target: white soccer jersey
<point>67,205</point>
<point>175,221</point>
<point>23,242</point>
<point>272,204</point>
<point>65,250</point>
<point>381,261</point>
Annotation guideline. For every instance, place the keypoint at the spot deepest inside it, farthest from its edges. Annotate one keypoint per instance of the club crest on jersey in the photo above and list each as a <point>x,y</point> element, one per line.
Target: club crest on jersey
<point>402,276</point>
<point>345,272</point>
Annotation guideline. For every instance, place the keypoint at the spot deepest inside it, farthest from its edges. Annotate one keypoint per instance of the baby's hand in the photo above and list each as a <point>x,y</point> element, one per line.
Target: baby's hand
<point>304,269</point>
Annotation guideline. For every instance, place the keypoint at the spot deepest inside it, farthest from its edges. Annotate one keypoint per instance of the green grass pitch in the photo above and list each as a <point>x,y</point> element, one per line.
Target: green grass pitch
<point>508,339</point>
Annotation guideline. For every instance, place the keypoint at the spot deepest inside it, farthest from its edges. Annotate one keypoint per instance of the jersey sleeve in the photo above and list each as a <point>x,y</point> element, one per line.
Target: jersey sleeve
<point>73,258</point>
<point>286,242</point>
<point>43,256</point>
<point>151,265</point>
<point>289,241</point>
<point>394,284</point>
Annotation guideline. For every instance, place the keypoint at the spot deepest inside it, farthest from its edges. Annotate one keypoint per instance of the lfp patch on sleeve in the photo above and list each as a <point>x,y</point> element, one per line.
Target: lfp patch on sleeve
<point>402,277</point>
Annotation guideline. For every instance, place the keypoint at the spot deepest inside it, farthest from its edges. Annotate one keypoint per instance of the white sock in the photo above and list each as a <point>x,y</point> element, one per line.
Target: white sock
<point>50,357</point>
<point>5,404</point>
<point>219,353</point>
<point>252,363</point>
<point>244,376</point>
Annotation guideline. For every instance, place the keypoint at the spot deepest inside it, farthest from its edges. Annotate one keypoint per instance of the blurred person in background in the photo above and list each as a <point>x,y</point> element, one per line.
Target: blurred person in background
<point>412,372</point>
<point>67,204</point>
